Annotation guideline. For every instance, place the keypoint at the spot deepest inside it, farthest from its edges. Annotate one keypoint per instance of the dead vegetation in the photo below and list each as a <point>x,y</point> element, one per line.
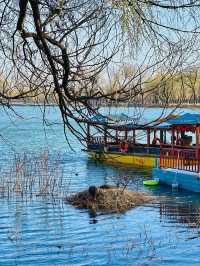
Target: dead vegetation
<point>32,175</point>
<point>109,200</point>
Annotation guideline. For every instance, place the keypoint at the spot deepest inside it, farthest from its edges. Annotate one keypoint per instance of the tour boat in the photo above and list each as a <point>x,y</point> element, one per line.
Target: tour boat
<point>127,142</point>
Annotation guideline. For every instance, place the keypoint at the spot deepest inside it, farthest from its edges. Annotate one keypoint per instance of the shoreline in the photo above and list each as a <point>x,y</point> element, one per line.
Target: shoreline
<point>115,106</point>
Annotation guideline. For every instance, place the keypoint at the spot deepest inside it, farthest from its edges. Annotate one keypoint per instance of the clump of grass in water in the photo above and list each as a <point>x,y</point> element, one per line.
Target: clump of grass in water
<point>32,175</point>
<point>110,200</point>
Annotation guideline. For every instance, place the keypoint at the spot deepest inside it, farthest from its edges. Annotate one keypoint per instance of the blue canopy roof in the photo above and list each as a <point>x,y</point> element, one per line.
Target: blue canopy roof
<point>186,119</point>
<point>122,121</point>
<point>163,125</point>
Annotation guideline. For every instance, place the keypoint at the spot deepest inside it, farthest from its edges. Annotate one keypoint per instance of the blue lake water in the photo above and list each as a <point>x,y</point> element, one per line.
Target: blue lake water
<point>50,232</point>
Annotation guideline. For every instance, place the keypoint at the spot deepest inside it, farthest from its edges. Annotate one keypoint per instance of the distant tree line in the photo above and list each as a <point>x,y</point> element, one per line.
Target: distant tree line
<point>173,89</point>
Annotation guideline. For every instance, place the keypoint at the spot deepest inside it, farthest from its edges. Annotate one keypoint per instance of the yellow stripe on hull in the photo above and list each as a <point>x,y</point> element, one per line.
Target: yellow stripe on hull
<point>129,159</point>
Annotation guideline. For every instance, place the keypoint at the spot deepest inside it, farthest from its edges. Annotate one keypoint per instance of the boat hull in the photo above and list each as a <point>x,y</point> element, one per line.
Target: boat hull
<point>138,160</point>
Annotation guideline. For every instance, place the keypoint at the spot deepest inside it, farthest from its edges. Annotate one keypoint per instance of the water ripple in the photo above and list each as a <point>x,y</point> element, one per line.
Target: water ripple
<point>46,232</point>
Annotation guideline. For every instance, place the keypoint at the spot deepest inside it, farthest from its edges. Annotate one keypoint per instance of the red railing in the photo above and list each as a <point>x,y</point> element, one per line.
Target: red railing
<point>182,159</point>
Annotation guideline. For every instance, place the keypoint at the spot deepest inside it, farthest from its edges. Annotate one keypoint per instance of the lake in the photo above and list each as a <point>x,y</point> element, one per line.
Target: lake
<point>45,231</point>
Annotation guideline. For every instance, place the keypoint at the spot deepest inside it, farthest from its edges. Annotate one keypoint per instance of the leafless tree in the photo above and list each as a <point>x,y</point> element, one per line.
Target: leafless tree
<point>58,49</point>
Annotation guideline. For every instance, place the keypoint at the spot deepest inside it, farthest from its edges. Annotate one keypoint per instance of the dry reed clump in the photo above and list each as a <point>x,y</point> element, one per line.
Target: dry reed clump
<point>32,175</point>
<point>109,200</point>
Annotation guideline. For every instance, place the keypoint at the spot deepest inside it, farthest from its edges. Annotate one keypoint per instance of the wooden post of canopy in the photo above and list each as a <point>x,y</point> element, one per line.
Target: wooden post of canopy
<point>177,136</point>
<point>197,131</point>
<point>88,133</point>
<point>161,137</point>
<point>172,143</point>
<point>165,137</point>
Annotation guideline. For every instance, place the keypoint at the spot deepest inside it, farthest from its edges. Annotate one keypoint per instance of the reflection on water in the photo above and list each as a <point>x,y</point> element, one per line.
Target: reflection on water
<point>181,212</point>
<point>48,232</point>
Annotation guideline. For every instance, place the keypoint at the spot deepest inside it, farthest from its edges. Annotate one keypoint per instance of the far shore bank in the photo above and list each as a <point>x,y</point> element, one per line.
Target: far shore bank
<point>186,105</point>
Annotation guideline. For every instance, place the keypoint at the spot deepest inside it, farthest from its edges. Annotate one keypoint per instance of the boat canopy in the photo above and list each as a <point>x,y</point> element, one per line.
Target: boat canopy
<point>186,119</point>
<point>124,122</point>
<point>114,121</point>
